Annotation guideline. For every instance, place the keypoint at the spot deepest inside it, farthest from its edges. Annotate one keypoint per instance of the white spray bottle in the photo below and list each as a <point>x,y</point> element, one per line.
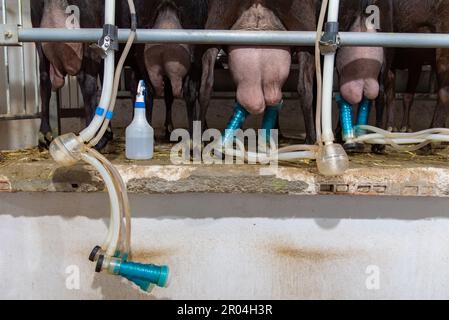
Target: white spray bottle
<point>140,135</point>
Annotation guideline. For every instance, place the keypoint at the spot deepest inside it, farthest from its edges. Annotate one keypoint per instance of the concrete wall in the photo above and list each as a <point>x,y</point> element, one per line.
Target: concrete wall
<point>231,247</point>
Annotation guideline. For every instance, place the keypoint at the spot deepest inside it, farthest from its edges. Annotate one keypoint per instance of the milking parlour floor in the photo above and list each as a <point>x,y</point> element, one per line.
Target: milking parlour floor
<point>393,174</point>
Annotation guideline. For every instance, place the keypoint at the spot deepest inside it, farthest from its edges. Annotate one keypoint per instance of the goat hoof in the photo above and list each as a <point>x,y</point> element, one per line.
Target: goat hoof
<point>168,131</point>
<point>379,149</point>
<point>425,151</point>
<point>104,142</point>
<point>45,139</point>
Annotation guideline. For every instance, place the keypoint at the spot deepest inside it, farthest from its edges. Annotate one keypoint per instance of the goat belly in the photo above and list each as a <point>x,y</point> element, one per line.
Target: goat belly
<point>65,58</point>
<point>259,72</point>
<point>169,61</point>
<point>359,69</point>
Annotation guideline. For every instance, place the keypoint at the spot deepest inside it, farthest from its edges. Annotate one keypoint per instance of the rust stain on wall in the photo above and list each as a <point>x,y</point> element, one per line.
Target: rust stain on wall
<point>149,256</point>
<point>316,255</point>
<point>307,269</point>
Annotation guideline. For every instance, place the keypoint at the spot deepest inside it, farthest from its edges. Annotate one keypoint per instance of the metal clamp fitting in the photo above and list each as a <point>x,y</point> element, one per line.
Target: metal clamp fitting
<point>109,40</point>
<point>9,35</point>
<point>330,41</point>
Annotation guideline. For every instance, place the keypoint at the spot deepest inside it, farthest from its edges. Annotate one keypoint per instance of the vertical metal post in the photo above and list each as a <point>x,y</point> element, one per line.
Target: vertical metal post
<point>37,81</point>
<point>22,54</point>
<point>5,52</point>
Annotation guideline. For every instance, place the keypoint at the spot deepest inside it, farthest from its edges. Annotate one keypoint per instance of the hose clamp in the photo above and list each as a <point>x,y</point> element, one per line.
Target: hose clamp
<point>109,41</point>
<point>330,40</point>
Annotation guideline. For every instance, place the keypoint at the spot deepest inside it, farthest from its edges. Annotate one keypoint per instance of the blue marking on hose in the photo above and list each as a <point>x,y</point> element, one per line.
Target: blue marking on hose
<point>139,105</point>
<point>363,115</point>
<point>237,121</point>
<point>100,111</point>
<point>270,120</point>
<point>109,115</point>
<point>347,126</point>
<point>153,274</point>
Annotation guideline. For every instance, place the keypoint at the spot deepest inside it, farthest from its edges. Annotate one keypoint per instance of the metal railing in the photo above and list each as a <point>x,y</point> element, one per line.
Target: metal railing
<point>19,74</point>
<point>227,37</point>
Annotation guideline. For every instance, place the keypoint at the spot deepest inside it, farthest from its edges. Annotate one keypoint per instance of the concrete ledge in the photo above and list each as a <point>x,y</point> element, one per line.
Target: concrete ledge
<point>392,175</point>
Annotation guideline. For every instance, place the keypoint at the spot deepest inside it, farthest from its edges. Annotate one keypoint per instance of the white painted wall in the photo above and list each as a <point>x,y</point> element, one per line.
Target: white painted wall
<point>243,257</point>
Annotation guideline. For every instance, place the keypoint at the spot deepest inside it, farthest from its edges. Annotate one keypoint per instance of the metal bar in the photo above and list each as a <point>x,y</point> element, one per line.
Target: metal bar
<point>72,113</point>
<point>397,40</point>
<point>55,113</point>
<point>171,36</point>
<point>226,37</point>
<point>20,117</point>
<point>22,66</point>
<point>6,60</point>
<point>37,80</point>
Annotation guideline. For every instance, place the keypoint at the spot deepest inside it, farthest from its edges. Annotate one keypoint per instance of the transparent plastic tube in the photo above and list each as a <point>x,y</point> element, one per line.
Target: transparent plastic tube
<point>401,134</point>
<point>112,226</point>
<point>287,156</point>
<point>112,243</point>
<point>291,156</point>
<point>403,142</point>
<point>124,199</point>
<point>409,148</point>
<point>298,147</point>
<point>290,153</point>
<point>439,137</point>
<point>395,141</point>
